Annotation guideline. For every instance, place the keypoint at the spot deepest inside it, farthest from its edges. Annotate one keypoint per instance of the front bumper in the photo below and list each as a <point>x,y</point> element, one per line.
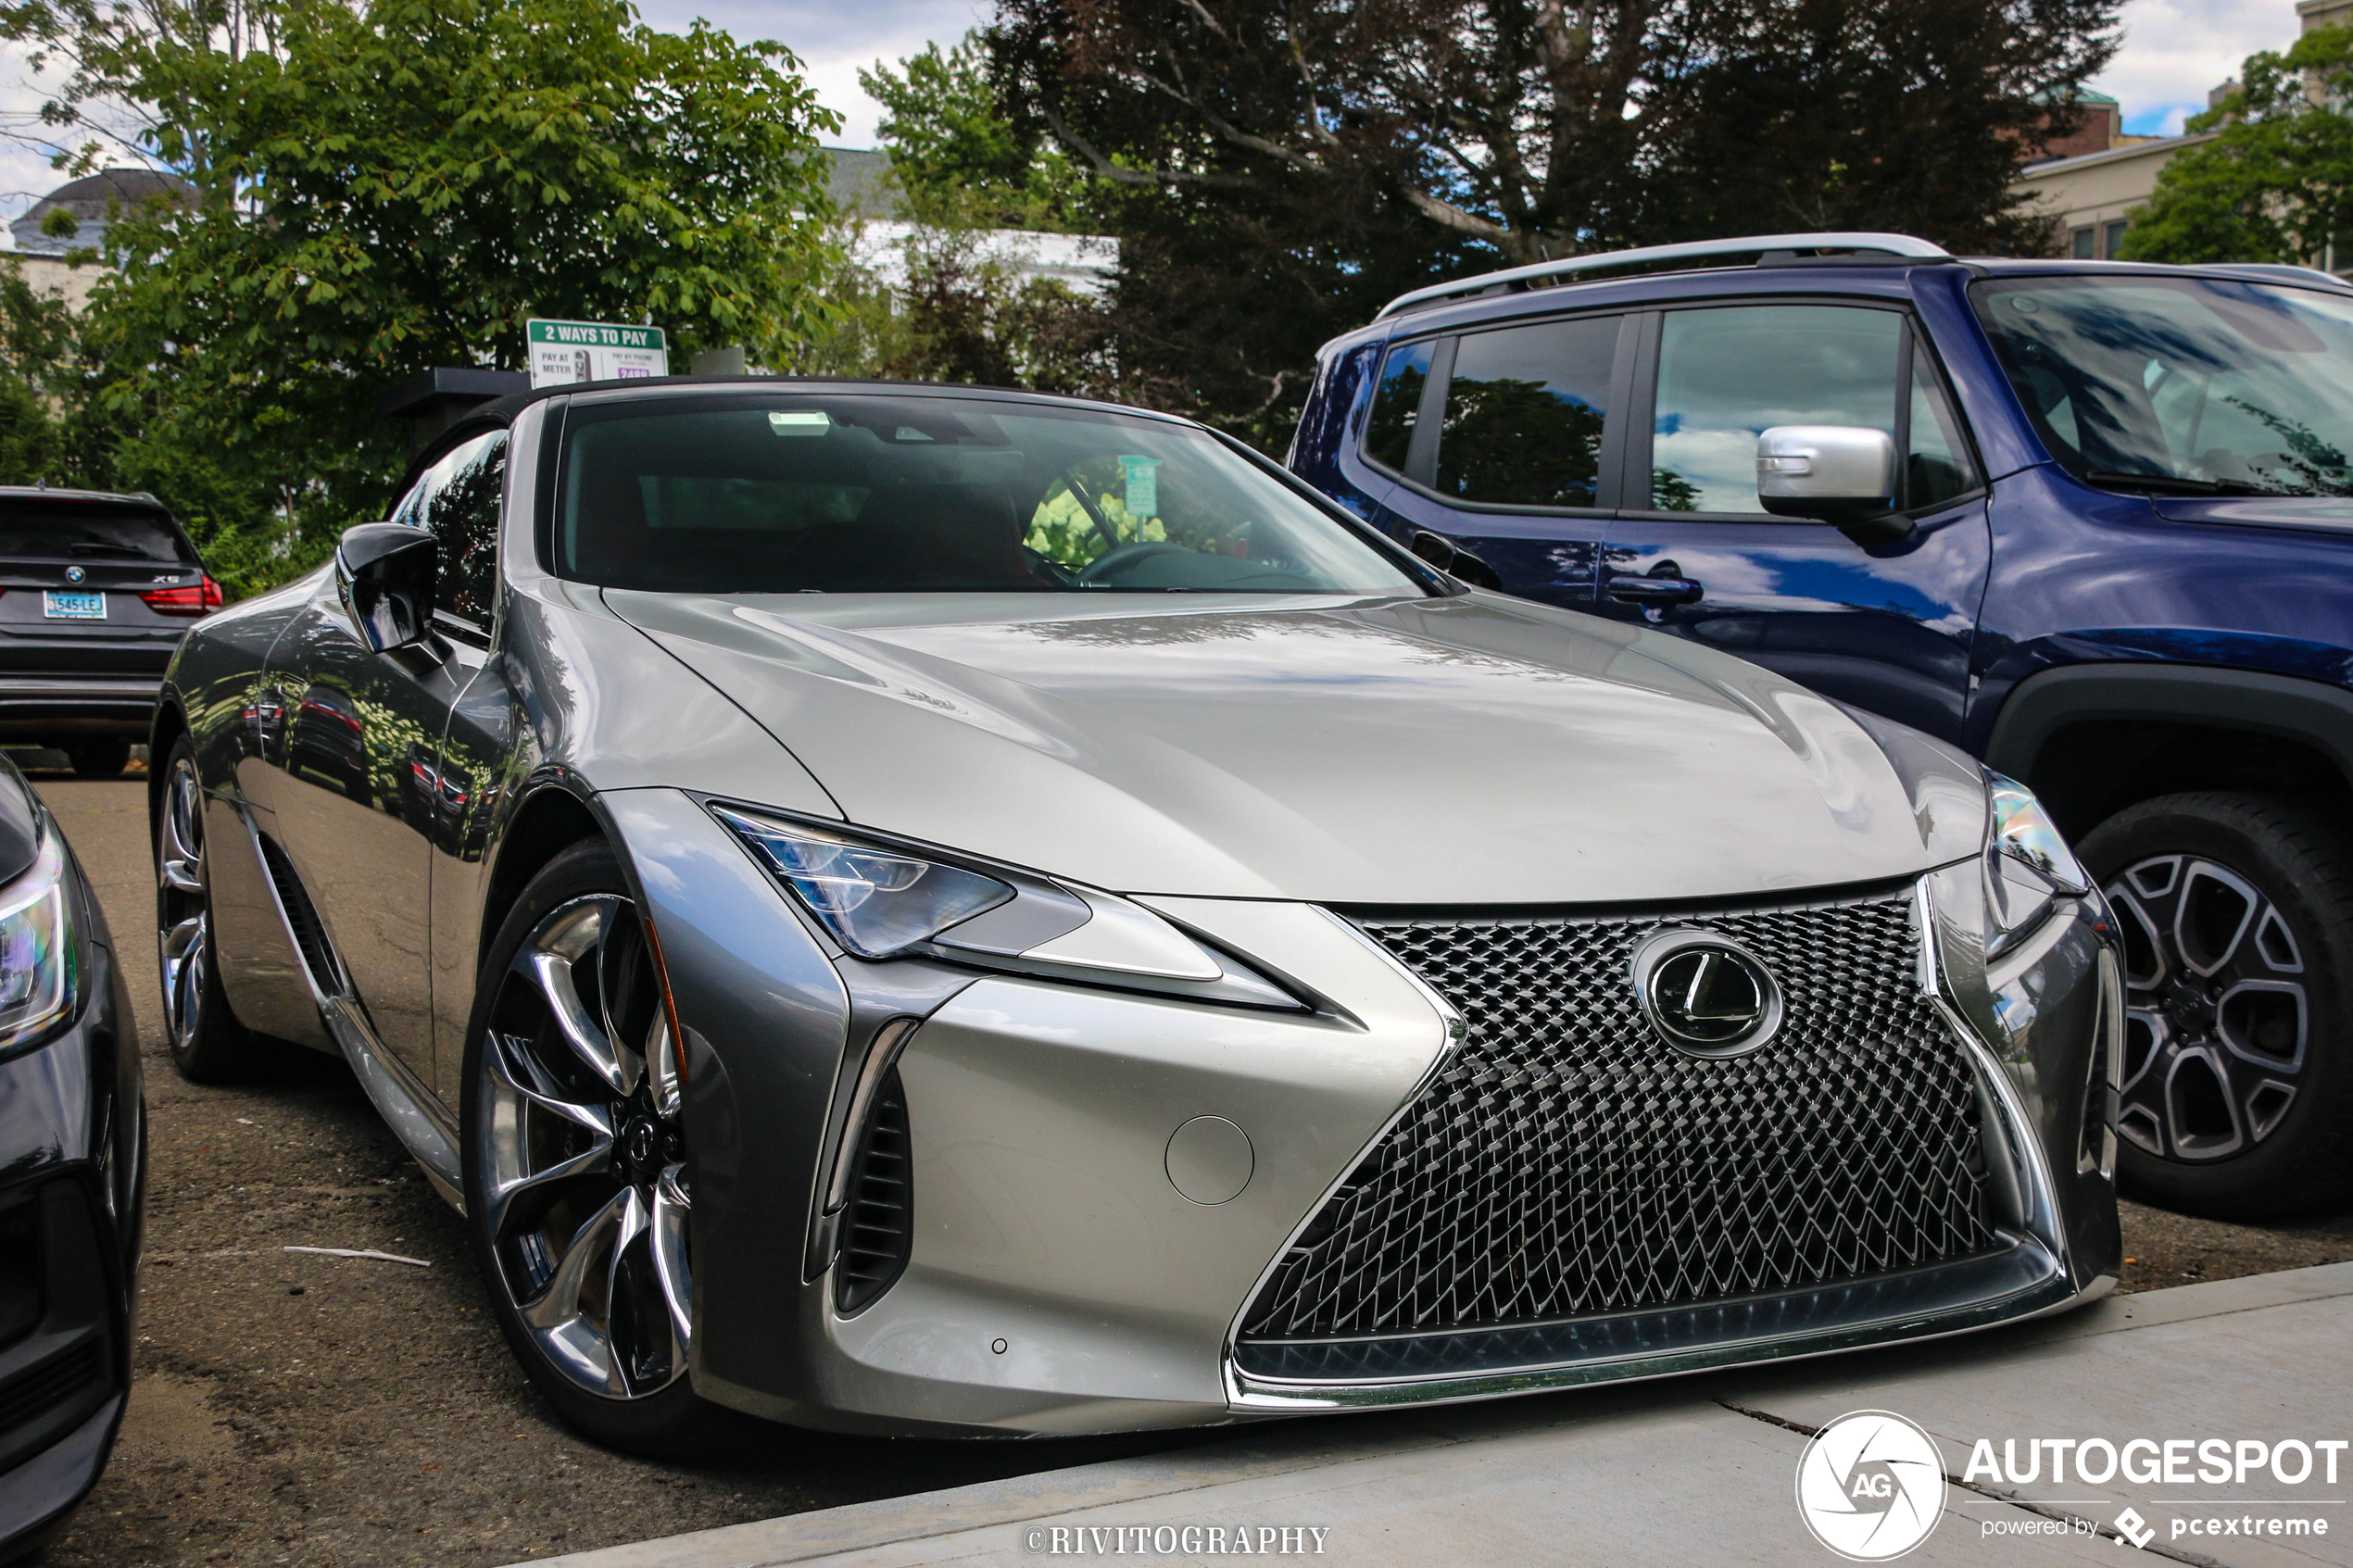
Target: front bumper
<point>38,707</point>
<point>72,1145</point>
<point>1058,1282</point>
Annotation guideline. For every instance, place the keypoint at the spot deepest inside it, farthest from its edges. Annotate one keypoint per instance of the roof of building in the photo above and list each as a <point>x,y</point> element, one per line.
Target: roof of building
<point>90,200</point>
<point>2142,149</point>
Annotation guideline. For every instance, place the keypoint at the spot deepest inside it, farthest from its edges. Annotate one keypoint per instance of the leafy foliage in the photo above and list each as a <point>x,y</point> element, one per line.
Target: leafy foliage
<point>957,156</point>
<point>1277,172</point>
<point>2276,183</point>
<point>37,363</point>
<point>386,188</point>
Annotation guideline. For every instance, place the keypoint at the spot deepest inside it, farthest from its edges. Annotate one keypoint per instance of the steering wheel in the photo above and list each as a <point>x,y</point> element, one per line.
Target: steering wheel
<point>1103,566</point>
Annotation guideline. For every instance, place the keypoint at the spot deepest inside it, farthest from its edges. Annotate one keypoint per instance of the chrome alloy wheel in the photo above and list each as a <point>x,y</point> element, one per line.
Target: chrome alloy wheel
<point>183,919</point>
<point>582,1154</point>
<point>2217,1018</point>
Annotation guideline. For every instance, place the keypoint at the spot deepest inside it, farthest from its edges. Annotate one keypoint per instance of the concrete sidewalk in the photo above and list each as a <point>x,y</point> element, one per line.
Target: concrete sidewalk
<point>1699,1470</point>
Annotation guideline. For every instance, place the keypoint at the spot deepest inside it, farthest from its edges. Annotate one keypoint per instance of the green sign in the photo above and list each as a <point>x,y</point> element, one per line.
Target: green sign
<point>563,353</point>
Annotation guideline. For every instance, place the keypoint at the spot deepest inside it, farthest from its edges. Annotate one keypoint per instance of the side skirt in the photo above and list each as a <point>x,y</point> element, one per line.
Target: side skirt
<point>415,1115</point>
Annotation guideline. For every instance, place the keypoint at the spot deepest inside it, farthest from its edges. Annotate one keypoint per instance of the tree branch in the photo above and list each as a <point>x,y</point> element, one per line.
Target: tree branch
<point>1106,169</point>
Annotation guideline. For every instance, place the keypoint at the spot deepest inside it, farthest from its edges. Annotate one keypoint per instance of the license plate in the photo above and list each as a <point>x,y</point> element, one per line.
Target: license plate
<point>73,606</point>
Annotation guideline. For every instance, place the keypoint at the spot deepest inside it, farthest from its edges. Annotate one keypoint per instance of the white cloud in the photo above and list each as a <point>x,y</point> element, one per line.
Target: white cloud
<point>2175,50</point>
<point>834,39</point>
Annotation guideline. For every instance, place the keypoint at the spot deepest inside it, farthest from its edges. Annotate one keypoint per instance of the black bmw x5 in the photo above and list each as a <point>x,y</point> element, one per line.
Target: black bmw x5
<point>96,592</point>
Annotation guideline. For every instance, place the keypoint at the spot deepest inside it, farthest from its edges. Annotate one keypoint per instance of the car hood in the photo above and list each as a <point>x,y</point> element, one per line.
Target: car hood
<point>2317,514</point>
<point>1467,750</point>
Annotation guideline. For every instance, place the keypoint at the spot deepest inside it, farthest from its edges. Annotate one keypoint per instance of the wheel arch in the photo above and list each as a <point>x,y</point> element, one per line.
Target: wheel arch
<point>2092,739</point>
<point>170,724</point>
<point>550,818</point>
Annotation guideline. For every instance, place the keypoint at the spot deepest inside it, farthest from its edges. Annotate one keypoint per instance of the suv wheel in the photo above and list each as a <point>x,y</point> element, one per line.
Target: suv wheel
<point>102,758</point>
<point>2237,917</point>
<point>577,1191</point>
<point>209,1046</point>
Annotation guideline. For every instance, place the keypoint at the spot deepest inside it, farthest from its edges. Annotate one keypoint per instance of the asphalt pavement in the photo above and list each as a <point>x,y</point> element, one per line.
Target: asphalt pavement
<point>291,1408</point>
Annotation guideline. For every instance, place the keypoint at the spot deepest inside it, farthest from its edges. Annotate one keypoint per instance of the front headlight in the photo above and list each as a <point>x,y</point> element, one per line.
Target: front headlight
<point>2028,866</point>
<point>875,902</point>
<point>37,973</point>
<point>881,901</point>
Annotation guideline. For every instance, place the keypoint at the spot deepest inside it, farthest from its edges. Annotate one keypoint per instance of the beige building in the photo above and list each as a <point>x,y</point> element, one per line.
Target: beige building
<point>2093,191</point>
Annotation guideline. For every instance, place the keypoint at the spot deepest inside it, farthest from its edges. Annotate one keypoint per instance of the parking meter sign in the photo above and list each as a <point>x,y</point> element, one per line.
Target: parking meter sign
<point>566,352</point>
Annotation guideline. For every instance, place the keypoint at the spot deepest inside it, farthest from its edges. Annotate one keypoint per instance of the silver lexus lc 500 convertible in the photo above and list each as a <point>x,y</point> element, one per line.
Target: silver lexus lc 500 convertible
<point>914,910</point>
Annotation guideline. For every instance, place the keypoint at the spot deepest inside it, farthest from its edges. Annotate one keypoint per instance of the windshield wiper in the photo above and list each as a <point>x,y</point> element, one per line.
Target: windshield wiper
<point>2167,484</point>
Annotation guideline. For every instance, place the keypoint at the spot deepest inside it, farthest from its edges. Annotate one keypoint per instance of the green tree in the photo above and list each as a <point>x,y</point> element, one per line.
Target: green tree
<point>2276,183</point>
<point>387,186</point>
<point>955,154</point>
<point>1277,172</point>
<point>37,369</point>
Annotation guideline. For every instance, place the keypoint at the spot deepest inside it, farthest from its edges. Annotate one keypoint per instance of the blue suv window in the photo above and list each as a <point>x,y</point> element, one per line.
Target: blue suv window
<point>1525,408</point>
<point>1397,402</point>
<point>2183,385</point>
<point>1726,374</point>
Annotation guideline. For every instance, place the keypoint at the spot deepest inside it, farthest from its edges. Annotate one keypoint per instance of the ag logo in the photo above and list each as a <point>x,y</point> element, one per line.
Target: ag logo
<point>1870,1486</point>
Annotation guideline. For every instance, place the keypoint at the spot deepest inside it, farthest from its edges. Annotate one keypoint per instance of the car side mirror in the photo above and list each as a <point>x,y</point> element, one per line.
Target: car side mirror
<point>1845,475</point>
<point>386,572</point>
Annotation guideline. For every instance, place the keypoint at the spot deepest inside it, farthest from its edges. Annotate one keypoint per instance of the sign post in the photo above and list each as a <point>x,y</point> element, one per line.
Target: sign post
<point>566,352</point>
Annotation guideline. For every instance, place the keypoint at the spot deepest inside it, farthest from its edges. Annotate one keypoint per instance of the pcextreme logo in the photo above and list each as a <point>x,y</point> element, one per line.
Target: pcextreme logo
<point>1870,1486</point>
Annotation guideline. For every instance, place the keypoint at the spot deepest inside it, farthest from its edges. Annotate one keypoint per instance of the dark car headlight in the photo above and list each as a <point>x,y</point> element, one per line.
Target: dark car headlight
<point>2028,867</point>
<point>885,901</point>
<point>38,983</point>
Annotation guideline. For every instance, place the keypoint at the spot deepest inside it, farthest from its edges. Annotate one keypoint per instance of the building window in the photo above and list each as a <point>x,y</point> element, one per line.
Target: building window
<point>2114,239</point>
<point>2082,248</point>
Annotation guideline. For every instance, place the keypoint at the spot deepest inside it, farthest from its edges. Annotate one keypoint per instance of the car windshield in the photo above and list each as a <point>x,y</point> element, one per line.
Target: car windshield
<point>62,530</point>
<point>794,491</point>
<point>2183,385</point>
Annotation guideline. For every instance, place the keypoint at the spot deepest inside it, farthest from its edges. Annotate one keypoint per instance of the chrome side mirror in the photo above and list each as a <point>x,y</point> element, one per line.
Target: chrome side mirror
<point>386,573</point>
<point>1842,474</point>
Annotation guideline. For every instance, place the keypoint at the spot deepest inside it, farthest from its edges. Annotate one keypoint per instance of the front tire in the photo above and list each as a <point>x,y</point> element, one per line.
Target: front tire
<point>2237,917</point>
<point>209,1046</point>
<point>577,1191</point>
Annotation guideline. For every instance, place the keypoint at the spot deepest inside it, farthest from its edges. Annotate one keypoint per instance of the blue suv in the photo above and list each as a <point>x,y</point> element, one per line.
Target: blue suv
<point>2092,522</point>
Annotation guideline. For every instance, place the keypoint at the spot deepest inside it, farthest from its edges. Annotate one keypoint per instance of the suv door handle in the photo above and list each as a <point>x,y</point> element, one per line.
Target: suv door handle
<point>1648,591</point>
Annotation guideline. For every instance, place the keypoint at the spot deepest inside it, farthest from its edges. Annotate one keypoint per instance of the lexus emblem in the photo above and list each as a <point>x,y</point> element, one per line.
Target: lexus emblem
<point>75,574</point>
<point>1704,992</point>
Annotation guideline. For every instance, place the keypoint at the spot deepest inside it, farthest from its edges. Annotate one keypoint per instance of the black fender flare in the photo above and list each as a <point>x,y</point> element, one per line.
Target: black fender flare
<point>2289,707</point>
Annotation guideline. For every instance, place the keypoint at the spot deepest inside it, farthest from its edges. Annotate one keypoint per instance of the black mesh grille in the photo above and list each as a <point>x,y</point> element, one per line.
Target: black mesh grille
<point>1567,1163</point>
<point>878,1221</point>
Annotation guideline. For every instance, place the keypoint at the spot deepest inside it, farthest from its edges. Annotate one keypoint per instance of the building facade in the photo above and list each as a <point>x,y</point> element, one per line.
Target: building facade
<point>2093,180</point>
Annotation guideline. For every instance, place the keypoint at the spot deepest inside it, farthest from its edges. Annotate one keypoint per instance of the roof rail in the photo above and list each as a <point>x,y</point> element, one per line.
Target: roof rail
<point>1901,245</point>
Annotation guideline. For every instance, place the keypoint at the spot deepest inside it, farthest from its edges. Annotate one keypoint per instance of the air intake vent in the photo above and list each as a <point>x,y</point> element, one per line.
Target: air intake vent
<point>309,935</point>
<point>877,1223</point>
<point>51,1384</point>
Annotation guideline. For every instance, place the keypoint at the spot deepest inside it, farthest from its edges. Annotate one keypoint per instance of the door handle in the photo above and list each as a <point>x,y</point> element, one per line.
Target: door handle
<point>1655,591</point>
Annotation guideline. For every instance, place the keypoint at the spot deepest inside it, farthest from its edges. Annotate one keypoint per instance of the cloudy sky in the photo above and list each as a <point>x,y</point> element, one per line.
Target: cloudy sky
<point>2174,50</point>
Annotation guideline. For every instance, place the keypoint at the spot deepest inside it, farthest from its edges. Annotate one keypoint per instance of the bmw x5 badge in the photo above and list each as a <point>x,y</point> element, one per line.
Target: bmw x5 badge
<point>75,574</point>
<point>1704,992</point>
